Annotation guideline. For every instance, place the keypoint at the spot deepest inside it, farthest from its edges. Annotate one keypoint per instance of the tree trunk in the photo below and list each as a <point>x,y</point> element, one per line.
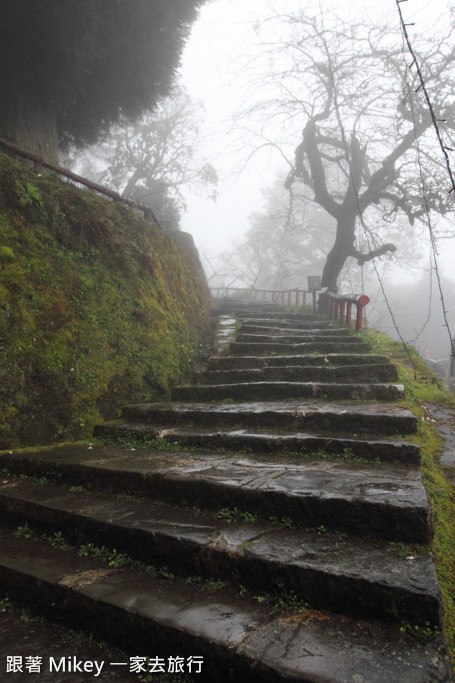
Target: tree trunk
<point>343,247</point>
<point>34,128</point>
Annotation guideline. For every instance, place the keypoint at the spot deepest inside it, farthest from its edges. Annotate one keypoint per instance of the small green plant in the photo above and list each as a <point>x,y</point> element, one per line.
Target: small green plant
<point>42,481</point>
<point>230,515</point>
<point>5,605</point>
<point>28,194</point>
<point>127,497</point>
<point>24,531</point>
<point>132,442</point>
<point>213,585</point>
<point>407,550</point>
<point>57,540</point>
<point>164,573</point>
<point>112,557</point>
<point>282,521</point>
<point>419,630</point>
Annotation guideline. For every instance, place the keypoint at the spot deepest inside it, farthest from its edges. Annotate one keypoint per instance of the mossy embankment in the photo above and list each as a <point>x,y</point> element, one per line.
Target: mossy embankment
<point>97,307</point>
<point>425,394</point>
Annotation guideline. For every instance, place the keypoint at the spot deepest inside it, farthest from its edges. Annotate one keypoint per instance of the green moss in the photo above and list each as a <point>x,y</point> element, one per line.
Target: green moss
<point>423,391</point>
<point>97,308</point>
<point>6,254</point>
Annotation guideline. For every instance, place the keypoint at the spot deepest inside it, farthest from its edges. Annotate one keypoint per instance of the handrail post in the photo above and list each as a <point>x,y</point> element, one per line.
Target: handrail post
<point>349,315</point>
<point>340,307</point>
<point>342,310</point>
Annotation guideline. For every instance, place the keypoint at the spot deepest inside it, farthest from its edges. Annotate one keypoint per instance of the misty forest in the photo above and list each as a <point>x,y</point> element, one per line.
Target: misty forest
<point>357,116</point>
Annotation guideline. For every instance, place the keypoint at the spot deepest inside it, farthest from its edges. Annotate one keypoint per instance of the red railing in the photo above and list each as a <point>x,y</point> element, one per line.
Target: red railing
<point>339,307</point>
<point>42,163</point>
<point>283,296</point>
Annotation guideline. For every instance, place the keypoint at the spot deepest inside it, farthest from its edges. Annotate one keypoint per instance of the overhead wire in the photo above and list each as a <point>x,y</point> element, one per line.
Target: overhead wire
<point>444,148</point>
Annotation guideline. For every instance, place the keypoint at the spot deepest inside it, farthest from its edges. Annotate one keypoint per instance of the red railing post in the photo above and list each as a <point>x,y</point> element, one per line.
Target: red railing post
<point>340,308</point>
<point>361,303</point>
<point>349,315</point>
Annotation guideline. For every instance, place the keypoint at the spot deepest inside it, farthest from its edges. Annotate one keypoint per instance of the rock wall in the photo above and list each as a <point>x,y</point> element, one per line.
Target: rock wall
<point>97,307</point>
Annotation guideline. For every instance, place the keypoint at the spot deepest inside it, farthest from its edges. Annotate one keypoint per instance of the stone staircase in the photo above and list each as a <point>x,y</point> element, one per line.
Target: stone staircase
<point>274,527</point>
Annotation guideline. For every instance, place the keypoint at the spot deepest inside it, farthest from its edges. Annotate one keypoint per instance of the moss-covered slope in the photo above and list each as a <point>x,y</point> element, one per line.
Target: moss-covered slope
<point>97,307</point>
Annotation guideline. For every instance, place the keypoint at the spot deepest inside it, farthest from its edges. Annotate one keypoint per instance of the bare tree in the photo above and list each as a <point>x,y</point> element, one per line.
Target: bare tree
<point>285,243</point>
<point>367,152</point>
<point>152,159</point>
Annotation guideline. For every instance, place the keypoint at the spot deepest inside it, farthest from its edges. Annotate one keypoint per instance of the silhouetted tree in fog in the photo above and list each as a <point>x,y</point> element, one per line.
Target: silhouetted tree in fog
<point>349,88</point>
<point>283,245</point>
<point>153,158</point>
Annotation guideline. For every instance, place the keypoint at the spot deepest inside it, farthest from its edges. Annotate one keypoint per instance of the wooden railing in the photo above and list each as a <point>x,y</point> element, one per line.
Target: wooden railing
<point>42,163</point>
<point>282,296</point>
<point>339,307</point>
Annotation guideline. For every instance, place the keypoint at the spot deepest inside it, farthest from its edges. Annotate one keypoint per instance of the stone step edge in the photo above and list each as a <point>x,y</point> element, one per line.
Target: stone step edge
<point>295,339</point>
<point>230,636</point>
<point>403,589</point>
<point>373,418</point>
<point>321,347</point>
<point>347,372</point>
<point>407,520</point>
<point>291,327</point>
<point>273,390</point>
<point>336,360</point>
<point>391,451</point>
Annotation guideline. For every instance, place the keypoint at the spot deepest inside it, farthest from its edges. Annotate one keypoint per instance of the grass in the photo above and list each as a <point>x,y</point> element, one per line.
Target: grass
<point>424,390</point>
<point>279,600</point>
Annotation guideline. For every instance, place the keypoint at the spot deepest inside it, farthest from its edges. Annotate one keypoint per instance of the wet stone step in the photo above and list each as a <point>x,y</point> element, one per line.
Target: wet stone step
<point>261,441</point>
<point>252,348</point>
<point>302,360</point>
<point>310,415</point>
<point>286,326</point>
<point>346,374</point>
<point>382,501</point>
<point>255,311</point>
<point>283,317</point>
<point>296,338</point>
<point>233,637</point>
<point>264,391</point>
<point>328,571</point>
<point>256,330</point>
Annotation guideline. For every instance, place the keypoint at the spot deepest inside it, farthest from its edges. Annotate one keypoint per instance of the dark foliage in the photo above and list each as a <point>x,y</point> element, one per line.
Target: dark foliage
<point>91,60</point>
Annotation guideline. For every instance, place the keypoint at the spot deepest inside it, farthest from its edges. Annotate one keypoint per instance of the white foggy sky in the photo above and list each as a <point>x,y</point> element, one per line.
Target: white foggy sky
<point>209,74</point>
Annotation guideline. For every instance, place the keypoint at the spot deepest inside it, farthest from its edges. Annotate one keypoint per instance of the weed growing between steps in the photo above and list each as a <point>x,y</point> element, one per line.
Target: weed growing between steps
<point>228,515</point>
<point>279,602</point>
<point>421,392</point>
<point>133,442</point>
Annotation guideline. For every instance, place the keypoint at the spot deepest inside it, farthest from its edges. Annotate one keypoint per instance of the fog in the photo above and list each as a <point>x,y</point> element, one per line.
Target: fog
<point>214,72</point>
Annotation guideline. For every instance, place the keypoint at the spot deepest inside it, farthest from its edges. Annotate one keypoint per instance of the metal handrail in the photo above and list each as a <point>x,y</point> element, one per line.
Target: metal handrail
<point>40,163</point>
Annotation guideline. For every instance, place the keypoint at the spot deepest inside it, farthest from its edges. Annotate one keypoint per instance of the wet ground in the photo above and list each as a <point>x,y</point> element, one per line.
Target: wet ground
<point>445,418</point>
<point>25,638</point>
